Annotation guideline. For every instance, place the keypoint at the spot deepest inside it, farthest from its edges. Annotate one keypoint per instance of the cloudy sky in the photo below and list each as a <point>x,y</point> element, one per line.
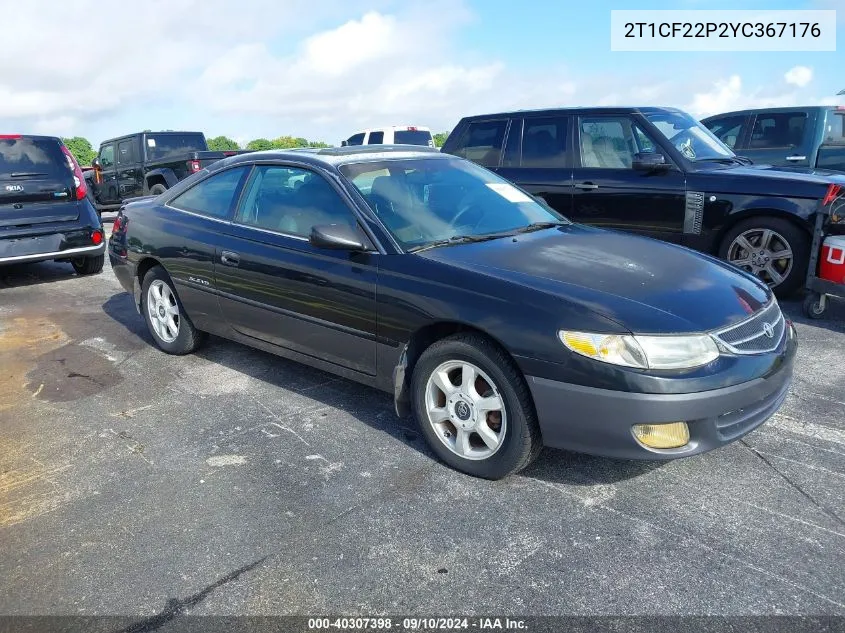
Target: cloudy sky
<point>323,69</point>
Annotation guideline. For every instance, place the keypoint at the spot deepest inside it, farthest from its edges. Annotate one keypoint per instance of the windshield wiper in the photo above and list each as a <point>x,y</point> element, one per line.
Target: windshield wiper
<point>735,160</point>
<point>456,239</point>
<point>26,174</point>
<point>539,226</point>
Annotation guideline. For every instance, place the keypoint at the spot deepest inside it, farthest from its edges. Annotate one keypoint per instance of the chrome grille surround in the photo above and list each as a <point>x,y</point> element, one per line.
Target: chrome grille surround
<point>749,336</point>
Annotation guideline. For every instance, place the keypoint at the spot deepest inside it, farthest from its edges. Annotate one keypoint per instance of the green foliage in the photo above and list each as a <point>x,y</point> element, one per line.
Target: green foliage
<point>81,149</point>
<point>283,142</point>
<point>440,138</point>
<point>222,144</point>
<point>259,144</point>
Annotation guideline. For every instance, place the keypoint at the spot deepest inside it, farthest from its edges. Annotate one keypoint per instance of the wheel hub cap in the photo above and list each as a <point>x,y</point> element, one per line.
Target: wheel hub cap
<point>161,311</point>
<point>461,412</point>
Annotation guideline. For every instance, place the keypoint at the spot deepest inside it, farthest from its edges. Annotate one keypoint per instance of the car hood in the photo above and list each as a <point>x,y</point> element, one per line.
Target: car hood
<point>642,284</point>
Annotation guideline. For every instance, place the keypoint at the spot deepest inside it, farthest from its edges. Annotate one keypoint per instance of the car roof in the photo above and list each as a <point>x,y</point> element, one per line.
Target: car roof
<point>159,133</point>
<point>767,110</point>
<point>335,156</point>
<point>575,110</point>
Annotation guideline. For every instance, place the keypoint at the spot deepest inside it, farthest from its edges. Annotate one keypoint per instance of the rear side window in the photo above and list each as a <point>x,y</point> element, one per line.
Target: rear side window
<point>834,131</point>
<point>413,137</point>
<point>481,142</point>
<point>376,138</point>
<point>781,129</point>
<point>160,146</point>
<point>544,142</point>
<point>126,152</point>
<point>727,129</point>
<point>213,196</point>
<point>32,158</point>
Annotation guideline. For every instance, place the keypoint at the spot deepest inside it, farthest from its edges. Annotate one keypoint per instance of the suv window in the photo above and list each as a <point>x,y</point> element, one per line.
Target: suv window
<point>611,142</point>
<point>214,195</point>
<point>107,155</point>
<point>356,139</point>
<point>782,129</point>
<point>36,157</point>
<point>727,129</point>
<point>834,132</point>
<point>376,138</point>
<point>481,142</point>
<point>544,142</point>
<point>291,200</point>
<point>160,146</point>
<point>413,137</point>
<point>126,152</point>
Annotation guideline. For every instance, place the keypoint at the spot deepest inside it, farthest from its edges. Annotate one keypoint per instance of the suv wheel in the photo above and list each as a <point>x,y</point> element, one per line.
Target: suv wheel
<point>474,408</point>
<point>773,249</point>
<point>88,265</point>
<point>165,316</point>
<point>157,189</point>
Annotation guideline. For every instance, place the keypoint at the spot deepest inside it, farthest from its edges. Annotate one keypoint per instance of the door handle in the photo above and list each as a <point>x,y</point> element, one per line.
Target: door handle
<point>229,258</point>
<point>586,185</point>
<point>796,158</point>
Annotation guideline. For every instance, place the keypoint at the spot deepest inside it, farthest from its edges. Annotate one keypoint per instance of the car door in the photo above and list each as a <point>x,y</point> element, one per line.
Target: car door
<point>781,138</point>
<point>195,232</point>
<point>608,191</point>
<point>537,157</point>
<point>276,286</point>
<point>129,177</point>
<point>109,189</point>
<point>731,130</point>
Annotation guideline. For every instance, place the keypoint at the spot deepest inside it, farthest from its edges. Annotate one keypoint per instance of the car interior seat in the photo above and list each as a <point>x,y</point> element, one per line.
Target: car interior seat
<point>588,152</point>
<point>609,156</point>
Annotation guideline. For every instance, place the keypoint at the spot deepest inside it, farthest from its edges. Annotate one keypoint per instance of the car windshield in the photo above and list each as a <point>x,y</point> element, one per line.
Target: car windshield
<point>412,137</point>
<point>689,137</point>
<point>426,201</point>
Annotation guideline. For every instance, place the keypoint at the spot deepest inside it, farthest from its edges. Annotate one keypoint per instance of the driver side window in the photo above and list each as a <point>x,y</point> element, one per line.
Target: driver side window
<point>606,142</point>
<point>107,155</point>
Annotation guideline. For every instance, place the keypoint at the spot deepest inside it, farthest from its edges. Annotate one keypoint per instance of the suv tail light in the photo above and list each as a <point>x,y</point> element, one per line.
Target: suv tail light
<point>833,192</point>
<point>78,178</point>
<point>194,166</point>
<point>96,237</point>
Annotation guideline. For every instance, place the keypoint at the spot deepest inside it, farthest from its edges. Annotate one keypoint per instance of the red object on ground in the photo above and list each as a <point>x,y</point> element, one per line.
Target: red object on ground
<point>832,265</point>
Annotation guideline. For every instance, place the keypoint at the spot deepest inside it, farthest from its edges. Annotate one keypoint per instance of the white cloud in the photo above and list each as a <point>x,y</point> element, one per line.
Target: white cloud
<point>799,76</point>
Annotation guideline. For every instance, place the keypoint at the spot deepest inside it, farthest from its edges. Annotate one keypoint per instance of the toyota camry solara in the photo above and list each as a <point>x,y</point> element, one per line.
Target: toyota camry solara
<point>499,324</point>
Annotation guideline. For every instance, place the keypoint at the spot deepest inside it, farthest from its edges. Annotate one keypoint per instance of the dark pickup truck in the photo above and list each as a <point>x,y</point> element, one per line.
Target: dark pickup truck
<point>146,163</point>
<point>812,136</point>
<point>657,172</point>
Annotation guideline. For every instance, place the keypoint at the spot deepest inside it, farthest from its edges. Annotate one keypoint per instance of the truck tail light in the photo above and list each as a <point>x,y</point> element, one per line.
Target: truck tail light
<point>833,192</point>
<point>78,178</point>
<point>194,166</point>
<point>97,237</point>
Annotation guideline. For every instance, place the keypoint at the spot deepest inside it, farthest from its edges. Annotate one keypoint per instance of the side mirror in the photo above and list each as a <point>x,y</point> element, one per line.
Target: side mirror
<point>337,237</point>
<point>344,143</point>
<point>650,161</point>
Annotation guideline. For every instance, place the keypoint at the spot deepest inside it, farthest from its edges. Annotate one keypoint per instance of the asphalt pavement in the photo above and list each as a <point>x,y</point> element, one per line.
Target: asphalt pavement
<point>233,482</point>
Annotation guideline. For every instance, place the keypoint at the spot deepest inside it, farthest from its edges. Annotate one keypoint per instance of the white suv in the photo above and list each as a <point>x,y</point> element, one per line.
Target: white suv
<point>393,135</point>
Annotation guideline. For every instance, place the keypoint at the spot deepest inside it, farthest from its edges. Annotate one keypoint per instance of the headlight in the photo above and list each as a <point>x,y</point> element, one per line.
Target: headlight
<point>644,352</point>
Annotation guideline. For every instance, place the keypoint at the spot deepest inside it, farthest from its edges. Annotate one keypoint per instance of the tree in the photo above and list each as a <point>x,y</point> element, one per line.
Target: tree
<point>259,144</point>
<point>440,138</point>
<point>81,149</point>
<point>222,144</point>
<point>288,142</point>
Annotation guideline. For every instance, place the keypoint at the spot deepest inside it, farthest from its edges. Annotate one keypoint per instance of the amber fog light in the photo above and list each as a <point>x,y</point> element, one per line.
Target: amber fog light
<point>672,435</point>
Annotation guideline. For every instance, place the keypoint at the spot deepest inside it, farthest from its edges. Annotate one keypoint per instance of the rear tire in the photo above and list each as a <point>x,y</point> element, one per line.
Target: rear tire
<point>766,236</point>
<point>157,189</point>
<point>461,426</point>
<point>88,265</point>
<point>166,319</point>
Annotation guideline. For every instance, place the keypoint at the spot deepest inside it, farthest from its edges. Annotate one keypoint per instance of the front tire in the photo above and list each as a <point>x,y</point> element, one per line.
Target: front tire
<point>88,265</point>
<point>165,316</point>
<point>773,249</point>
<point>474,408</point>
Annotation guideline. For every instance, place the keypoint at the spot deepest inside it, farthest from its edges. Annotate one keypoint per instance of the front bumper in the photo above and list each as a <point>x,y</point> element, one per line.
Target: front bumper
<point>599,421</point>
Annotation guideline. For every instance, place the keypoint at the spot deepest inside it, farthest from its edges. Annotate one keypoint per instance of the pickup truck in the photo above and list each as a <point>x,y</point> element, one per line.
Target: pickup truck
<point>146,163</point>
<point>812,136</point>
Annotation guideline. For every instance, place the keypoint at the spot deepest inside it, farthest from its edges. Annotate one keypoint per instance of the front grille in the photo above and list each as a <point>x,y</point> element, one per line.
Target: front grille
<point>752,335</point>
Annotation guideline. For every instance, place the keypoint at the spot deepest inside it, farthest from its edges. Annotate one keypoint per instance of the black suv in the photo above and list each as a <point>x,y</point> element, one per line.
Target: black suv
<point>45,212</point>
<point>659,172</point>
